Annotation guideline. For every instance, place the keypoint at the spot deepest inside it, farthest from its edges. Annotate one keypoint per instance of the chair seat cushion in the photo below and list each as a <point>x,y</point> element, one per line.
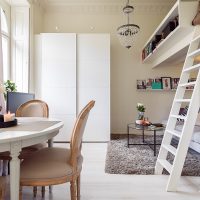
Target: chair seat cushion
<point>48,163</point>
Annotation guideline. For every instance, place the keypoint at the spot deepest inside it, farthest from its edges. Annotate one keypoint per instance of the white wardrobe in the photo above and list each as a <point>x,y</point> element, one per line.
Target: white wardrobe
<point>71,70</point>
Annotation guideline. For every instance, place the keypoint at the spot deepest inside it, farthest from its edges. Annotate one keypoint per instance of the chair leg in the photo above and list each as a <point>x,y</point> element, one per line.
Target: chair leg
<point>34,191</point>
<point>20,193</point>
<point>50,188</point>
<point>43,191</point>
<point>73,190</point>
<point>5,170</point>
<point>78,185</point>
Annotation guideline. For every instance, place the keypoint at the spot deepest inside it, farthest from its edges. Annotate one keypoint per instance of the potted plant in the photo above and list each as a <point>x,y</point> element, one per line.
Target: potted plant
<point>9,86</point>
<point>141,109</point>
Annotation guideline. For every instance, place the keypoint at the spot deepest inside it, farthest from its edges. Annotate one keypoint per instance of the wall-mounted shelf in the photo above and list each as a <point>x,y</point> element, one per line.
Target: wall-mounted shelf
<point>175,44</point>
<point>160,90</point>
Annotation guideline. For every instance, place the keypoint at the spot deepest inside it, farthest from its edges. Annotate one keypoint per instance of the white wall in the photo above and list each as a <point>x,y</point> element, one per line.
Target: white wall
<point>126,66</point>
<point>36,26</point>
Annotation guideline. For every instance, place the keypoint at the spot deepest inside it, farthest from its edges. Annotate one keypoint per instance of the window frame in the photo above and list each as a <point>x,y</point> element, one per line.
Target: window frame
<point>6,35</point>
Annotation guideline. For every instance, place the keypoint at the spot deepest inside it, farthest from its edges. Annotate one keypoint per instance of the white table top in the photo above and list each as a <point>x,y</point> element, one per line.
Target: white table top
<point>29,127</point>
<point>29,131</point>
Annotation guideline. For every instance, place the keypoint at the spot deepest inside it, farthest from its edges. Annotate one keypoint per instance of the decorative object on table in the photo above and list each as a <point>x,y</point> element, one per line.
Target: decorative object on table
<point>9,86</point>
<point>7,117</point>
<point>157,85</point>
<point>166,83</point>
<point>8,124</point>
<point>139,159</point>
<point>1,118</point>
<point>127,32</point>
<point>141,109</point>
<point>7,120</point>
<point>141,84</point>
<point>175,82</point>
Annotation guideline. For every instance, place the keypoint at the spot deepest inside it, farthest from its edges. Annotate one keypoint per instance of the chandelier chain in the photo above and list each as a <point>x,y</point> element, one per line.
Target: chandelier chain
<point>126,33</point>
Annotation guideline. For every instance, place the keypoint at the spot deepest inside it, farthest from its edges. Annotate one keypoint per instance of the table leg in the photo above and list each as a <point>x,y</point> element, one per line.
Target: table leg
<point>15,170</point>
<point>143,134</point>
<point>154,136</point>
<point>128,136</point>
<point>50,144</point>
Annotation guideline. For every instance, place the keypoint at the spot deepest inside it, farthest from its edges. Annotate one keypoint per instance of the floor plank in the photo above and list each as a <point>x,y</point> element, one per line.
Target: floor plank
<point>96,185</point>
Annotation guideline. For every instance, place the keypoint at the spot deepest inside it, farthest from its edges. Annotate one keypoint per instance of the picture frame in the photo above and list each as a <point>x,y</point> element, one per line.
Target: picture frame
<point>141,84</point>
<point>166,83</point>
<point>149,83</point>
<point>174,83</point>
<point>157,84</point>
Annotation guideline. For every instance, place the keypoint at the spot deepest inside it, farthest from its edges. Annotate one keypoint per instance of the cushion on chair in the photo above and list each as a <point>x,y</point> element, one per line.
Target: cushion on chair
<point>48,163</point>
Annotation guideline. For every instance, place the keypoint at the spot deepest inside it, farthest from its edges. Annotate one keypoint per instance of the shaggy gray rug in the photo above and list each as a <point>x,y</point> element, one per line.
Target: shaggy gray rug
<point>139,159</point>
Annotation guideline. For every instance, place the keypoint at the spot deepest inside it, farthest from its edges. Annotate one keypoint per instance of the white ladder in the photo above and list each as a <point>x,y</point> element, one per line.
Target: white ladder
<point>185,135</point>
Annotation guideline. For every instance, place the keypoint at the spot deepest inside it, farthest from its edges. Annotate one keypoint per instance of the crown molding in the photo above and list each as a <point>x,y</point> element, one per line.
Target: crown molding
<point>104,2</point>
<point>106,9</point>
<point>18,2</point>
<point>104,6</point>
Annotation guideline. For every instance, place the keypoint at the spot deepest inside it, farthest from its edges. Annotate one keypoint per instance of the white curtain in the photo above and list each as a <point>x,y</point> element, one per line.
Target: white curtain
<point>2,101</point>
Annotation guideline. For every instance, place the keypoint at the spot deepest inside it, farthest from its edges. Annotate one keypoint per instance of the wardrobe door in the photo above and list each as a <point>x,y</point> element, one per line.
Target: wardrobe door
<point>93,83</point>
<point>59,79</point>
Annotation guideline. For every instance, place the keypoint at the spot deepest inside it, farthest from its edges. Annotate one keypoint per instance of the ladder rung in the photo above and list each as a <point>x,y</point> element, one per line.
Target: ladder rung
<point>194,53</point>
<point>170,148</point>
<point>179,116</point>
<point>187,84</point>
<point>165,164</point>
<point>192,68</point>
<point>174,132</point>
<point>182,100</point>
<point>196,38</point>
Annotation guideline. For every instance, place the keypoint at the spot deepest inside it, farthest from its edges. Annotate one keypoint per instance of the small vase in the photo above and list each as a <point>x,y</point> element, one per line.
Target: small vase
<point>140,115</point>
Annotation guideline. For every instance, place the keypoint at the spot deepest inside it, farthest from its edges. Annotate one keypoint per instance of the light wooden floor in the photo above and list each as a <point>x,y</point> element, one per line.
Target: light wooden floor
<point>96,185</point>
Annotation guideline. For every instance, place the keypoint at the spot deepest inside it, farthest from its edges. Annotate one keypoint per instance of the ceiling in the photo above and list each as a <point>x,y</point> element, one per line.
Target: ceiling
<point>104,6</point>
<point>104,2</point>
<point>99,6</point>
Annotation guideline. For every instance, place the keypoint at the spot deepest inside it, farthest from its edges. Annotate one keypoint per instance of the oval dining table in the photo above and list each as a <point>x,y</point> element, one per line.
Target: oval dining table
<point>29,131</point>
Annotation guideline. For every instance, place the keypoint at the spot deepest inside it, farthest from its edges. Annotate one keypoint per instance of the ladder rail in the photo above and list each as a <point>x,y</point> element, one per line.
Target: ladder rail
<point>174,109</point>
<point>189,120</point>
<point>184,141</point>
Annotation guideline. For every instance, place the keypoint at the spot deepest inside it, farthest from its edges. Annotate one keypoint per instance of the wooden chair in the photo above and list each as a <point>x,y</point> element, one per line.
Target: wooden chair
<point>52,166</point>
<point>32,108</point>
<point>4,180</point>
<point>2,187</point>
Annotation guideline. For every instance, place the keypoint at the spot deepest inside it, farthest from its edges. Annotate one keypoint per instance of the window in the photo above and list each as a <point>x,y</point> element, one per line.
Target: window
<point>5,44</point>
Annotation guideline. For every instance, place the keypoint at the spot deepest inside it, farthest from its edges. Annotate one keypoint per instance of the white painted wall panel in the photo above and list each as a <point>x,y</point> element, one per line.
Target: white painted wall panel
<point>93,83</point>
<point>75,70</point>
<point>65,133</point>
<point>93,47</point>
<point>59,78</point>
<point>61,100</point>
<point>97,77</point>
